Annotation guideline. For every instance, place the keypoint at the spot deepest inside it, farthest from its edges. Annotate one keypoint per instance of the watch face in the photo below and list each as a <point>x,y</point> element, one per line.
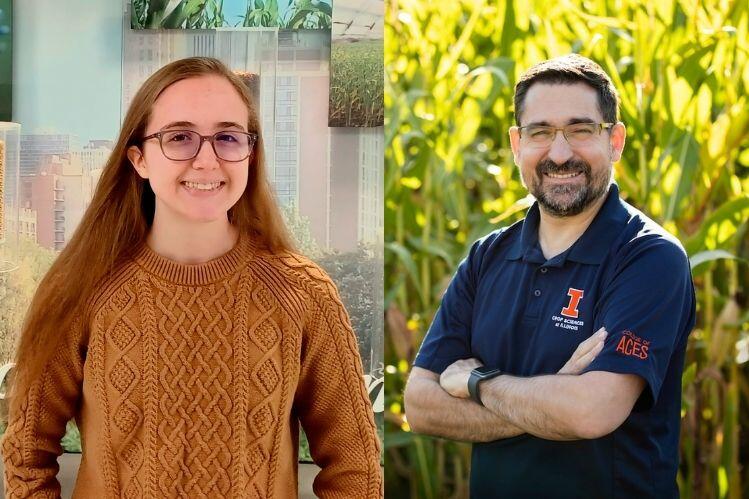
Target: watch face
<point>486,371</point>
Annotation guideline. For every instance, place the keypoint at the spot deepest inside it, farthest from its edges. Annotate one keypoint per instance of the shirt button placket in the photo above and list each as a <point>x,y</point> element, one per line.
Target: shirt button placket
<point>537,292</point>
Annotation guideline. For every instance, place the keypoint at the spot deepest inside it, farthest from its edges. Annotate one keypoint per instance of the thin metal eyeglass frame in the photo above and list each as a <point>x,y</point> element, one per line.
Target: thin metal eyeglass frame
<point>601,127</point>
<point>203,138</point>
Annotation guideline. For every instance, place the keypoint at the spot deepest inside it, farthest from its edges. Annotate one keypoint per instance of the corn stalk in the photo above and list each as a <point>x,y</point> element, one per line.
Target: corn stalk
<point>682,72</point>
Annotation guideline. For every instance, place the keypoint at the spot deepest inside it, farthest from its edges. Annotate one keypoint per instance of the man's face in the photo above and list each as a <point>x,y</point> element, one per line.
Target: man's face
<point>565,179</point>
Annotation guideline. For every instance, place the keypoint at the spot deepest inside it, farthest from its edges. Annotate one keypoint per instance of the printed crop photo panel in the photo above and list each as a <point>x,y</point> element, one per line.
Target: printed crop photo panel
<point>189,14</point>
<point>357,64</point>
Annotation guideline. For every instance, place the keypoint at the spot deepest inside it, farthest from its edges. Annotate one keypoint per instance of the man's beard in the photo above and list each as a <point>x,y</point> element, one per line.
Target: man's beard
<point>566,200</point>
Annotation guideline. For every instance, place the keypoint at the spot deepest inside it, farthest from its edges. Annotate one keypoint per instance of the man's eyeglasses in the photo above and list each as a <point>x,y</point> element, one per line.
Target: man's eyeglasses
<point>576,134</point>
<point>183,145</point>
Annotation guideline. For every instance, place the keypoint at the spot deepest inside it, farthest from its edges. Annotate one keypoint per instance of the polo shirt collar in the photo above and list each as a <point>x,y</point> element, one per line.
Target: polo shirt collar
<point>590,248</point>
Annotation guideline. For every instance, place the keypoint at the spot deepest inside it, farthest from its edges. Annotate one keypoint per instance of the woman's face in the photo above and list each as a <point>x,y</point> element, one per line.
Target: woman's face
<point>204,188</point>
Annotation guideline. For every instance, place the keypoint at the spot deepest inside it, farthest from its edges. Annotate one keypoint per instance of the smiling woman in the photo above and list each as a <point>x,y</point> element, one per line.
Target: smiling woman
<point>180,328</point>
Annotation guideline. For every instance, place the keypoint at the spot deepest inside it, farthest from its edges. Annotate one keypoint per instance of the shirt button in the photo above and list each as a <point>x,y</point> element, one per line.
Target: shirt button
<point>537,292</point>
<point>544,270</point>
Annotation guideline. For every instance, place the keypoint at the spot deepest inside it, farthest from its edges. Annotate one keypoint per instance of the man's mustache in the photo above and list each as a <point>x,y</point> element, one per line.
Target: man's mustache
<point>548,166</point>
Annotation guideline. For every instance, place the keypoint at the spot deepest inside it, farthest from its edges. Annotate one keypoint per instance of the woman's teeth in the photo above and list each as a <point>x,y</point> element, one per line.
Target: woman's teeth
<point>203,187</point>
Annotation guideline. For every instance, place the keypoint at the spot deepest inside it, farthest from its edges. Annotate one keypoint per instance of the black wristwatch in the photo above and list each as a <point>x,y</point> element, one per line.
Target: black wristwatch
<point>478,375</point>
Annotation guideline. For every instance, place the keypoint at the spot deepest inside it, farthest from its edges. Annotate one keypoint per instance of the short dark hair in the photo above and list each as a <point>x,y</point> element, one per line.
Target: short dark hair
<point>570,69</point>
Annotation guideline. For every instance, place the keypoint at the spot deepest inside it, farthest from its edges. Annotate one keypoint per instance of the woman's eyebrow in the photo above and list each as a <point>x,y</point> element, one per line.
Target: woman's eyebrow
<point>178,124</point>
<point>222,125</point>
<point>228,124</point>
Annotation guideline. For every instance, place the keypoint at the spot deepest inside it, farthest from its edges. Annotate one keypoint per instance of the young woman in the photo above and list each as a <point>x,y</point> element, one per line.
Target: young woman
<point>179,329</point>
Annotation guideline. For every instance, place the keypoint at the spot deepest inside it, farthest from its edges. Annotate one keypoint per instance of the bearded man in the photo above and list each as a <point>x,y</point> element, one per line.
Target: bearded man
<point>559,344</point>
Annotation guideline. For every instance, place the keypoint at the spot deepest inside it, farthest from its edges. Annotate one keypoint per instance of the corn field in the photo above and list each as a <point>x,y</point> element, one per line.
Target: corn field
<point>356,83</point>
<point>681,68</point>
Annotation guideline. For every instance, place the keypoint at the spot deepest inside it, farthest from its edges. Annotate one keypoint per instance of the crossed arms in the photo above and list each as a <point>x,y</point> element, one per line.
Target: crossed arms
<point>564,406</point>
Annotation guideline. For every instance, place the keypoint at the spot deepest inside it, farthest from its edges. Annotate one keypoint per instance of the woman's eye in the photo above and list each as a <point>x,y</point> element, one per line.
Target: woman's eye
<point>227,137</point>
<point>178,137</point>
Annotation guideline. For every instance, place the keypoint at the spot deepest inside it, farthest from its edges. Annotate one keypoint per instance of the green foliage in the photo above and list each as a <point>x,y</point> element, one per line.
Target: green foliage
<point>356,88</point>
<point>17,288</point>
<point>71,442</point>
<point>358,277</point>
<point>682,73</point>
<point>207,14</point>
<point>299,228</point>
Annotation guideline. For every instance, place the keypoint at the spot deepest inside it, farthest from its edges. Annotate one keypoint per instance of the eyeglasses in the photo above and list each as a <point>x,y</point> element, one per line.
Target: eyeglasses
<point>576,134</point>
<point>183,145</point>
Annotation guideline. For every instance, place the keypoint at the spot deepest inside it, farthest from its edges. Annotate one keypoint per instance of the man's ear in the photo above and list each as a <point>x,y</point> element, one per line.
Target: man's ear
<point>618,137</point>
<point>515,143</point>
<point>136,158</point>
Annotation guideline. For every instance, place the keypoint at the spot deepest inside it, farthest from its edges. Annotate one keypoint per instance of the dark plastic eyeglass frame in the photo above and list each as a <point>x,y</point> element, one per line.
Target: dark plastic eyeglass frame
<point>601,127</point>
<point>203,138</point>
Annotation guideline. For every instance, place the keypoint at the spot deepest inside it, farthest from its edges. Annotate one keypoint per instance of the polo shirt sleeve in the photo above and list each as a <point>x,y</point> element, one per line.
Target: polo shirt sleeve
<point>648,309</point>
<point>449,337</point>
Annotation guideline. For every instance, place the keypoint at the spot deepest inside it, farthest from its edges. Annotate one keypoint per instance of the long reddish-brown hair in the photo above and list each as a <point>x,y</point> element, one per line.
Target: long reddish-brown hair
<point>118,220</point>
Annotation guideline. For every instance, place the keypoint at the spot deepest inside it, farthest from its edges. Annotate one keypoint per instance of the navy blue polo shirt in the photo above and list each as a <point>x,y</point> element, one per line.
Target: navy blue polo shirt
<point>513,309</point>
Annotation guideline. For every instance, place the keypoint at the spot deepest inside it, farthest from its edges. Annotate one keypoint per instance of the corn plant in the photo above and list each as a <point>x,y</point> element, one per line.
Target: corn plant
<point>207,14</point>
<point>194,14</point>
<point>357,87</point>
<point>308,14</point>
<point>682,74</point>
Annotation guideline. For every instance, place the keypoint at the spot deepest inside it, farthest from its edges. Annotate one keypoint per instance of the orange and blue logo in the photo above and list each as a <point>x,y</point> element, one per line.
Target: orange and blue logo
<point>576,295</point>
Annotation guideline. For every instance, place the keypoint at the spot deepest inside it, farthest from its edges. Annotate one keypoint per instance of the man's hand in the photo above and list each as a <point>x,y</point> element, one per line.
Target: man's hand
<point>454,379</point>
<point>433,411</point>
<point>585,353</point>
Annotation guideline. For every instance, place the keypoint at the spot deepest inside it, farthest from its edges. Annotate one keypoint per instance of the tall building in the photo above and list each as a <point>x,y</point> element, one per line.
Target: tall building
<point>95,154</point>
<point>93,158</point>
<point>56,193</point>
<point>301,172</point>
<point>25,225</point>
<point>35,146</point>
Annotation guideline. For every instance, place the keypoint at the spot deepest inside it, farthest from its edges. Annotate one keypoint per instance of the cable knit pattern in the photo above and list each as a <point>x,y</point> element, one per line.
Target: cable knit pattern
<point>190,381</point>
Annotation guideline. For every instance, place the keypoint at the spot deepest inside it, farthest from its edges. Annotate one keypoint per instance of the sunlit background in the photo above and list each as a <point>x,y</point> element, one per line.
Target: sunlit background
<point>681,70</point>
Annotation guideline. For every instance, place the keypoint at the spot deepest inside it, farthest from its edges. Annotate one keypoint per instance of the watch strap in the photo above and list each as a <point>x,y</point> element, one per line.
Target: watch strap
<point>477,375</point>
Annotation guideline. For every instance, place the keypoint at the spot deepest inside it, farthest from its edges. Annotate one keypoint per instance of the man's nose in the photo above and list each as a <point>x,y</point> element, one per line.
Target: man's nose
<point>560,150</point>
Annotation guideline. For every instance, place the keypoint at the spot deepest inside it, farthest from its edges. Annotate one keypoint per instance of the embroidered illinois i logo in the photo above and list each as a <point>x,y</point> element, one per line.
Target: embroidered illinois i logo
<point>571,309</point>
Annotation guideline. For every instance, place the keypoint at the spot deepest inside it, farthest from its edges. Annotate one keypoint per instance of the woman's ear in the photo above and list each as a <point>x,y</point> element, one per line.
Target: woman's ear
<point>136,158</point>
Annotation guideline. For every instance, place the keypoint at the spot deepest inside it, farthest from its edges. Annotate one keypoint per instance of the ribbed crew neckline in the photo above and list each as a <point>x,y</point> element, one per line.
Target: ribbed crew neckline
<point>199,273</point>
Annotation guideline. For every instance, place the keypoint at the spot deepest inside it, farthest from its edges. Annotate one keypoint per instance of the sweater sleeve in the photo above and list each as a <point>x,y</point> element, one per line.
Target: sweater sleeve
<point>333,404</point>
<point>31,444</point>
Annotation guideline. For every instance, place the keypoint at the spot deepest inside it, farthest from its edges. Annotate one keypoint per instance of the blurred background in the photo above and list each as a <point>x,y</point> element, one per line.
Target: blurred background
<point>681,69</point>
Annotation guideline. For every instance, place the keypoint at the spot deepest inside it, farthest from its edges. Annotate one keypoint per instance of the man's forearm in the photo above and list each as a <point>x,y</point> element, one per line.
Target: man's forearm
<point>551,407</point>
<point>432,411</point>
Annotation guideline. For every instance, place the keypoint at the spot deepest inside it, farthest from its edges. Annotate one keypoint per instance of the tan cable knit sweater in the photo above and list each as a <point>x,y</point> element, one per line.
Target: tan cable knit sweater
<point>189,381</point>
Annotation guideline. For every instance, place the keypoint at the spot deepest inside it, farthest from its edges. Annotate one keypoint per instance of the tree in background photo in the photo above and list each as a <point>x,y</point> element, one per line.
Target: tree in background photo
<point>682,73</point>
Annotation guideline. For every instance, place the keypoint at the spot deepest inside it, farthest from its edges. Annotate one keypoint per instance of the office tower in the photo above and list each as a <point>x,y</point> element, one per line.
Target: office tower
<point>35,146</point>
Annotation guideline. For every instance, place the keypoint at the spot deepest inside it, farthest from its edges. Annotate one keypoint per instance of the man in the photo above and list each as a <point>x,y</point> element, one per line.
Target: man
<point>584,277</point>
